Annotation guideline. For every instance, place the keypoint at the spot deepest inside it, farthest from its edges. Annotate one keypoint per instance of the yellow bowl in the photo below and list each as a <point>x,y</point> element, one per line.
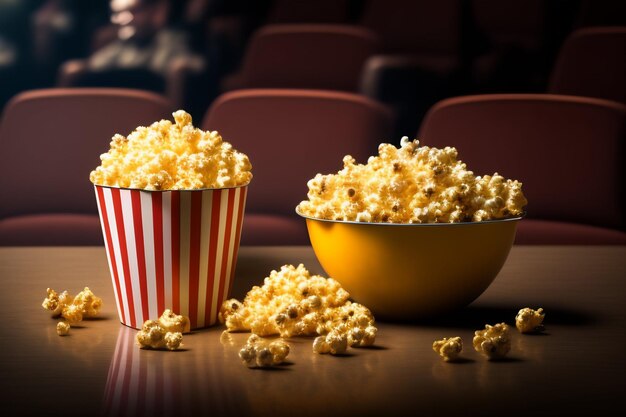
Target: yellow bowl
<point>412,271</point>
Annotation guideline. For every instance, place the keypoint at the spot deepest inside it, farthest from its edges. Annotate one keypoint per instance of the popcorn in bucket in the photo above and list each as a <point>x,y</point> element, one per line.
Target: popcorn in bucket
<point>171,201</point>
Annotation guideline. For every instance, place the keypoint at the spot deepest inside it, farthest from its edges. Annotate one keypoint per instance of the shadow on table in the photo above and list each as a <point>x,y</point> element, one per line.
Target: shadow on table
<point>475,317</point>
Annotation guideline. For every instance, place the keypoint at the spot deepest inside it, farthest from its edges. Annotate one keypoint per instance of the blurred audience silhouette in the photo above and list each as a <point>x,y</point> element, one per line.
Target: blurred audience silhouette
<point>186,49</point>
<point>146,50</point>
<point>408,55</point>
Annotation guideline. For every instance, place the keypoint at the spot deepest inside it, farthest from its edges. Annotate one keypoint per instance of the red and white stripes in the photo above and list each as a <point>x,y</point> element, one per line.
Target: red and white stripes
<point>144,382</point>
<point>171,249</point>
<point>135,387</point>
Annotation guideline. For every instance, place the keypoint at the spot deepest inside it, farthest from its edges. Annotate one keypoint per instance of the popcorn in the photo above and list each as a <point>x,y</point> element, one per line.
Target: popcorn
<point>88,303</point>
<point>493,342</point>
<point>335,343</point>
<point>73,309</point>
<point>55,302</point>
<point>63,328</point>
<point>173,323</point>
<point>172,156</point>
<point>232,313</point>
<point>448,348</point>
<point>259,353</point>
<point>359,337</point>
<point>528,320</point>
<point>73,314</point>
<point>292,302</point>
<point>412,184</point>
<point>153,335</point>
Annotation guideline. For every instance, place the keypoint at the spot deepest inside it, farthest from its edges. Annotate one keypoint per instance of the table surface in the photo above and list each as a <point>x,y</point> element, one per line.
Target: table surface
<point>576,367</point>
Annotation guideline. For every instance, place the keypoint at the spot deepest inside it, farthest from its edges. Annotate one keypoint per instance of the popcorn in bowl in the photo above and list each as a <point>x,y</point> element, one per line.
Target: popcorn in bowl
<point>418,215</point>
<point>172,156</point>
<point>412,184</point>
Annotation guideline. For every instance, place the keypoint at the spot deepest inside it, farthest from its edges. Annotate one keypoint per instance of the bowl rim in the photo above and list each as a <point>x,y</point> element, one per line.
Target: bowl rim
<point>504,220</point>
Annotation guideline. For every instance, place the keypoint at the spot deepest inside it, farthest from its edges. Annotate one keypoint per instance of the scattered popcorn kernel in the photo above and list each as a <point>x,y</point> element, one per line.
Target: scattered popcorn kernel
<point>448,348</point>
<point>73,309</point>
<point>279,350</point>
<point>260,353</point>
<point>292,302</point>
<point>320,345</point>
<point>529,320</point>
<point>73,313</point>
<point>154,336</point>
<point>172,156</point>
<point>63,328</point>
<point>232,314</point>
<point>359,337</point>
<point>89,304</point>
<point>412,184</point>
<point>494,341</point>
<point>337,342</point>
<point>174,323</point>
<point>248,355</point>
<point>264,357</point>
<point>56,302</point>
<point>173,340</point>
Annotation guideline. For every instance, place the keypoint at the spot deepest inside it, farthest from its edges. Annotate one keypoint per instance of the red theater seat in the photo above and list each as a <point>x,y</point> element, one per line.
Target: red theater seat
<point>592,63</point>
<point>291,135</point>
<point>423,28</point>
<point>307,11</point>
<point>420,61</point>
<point>546,232</point>
<point>567,151</point>
<point>50,140</point>
<point>328,57</point>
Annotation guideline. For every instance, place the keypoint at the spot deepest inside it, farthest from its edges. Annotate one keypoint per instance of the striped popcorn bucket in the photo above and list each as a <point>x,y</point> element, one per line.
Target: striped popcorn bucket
<point>171,249</point>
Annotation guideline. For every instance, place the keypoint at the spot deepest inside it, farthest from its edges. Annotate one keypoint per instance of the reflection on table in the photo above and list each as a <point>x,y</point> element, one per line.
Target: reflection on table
<point>575,368</point>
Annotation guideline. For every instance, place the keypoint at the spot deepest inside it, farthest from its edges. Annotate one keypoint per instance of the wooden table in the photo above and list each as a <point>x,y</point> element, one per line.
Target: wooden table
<point>575,368</point>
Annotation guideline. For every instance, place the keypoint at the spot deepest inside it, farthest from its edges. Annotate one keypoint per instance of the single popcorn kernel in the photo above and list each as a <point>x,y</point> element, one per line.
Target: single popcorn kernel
<point>63,328</point>
<point>528,320</point>
<point>172,156</point>
<point>493,342</point>
<point>320,345</point>
<point>56,302</point>
<point>174,323</point>
<point>412,184</point>
<point>154,336</point>
<point>259,353</point>
<point>73,314</point>
<point>232,314</point>
<point>292,302</point>
<point>448,348</point>
<point>336,343</point>
<point>88,303</point>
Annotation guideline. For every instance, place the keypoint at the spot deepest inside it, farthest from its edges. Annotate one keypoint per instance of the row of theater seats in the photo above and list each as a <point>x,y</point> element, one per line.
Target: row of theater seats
<point>349,58</point>
<point>568,151</point>
<point>334,57</point>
